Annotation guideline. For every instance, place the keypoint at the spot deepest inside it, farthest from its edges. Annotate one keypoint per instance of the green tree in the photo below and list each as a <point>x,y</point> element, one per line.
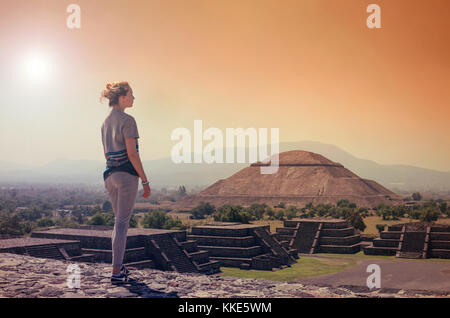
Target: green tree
<point>429,214</point>
<point>109,219</point>
<point>202,210</point>
<point>257,210</point>
<point>291,212</point>
<point>45,222</point>
<point>232,213</point>
<point>355,219</point>
<point>416,196</point>
<point>443,207</point>
<point>270,213</point>
<point>380,227</point>
<point>97,219</point>
<point>107,206</point>
<point>159,220</point>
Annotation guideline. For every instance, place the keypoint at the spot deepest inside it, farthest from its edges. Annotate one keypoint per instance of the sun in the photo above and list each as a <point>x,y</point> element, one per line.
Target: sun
<point>36,66</point>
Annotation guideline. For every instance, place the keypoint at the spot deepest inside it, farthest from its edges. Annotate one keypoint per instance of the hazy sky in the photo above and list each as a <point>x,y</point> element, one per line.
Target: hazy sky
<point>310,67</point>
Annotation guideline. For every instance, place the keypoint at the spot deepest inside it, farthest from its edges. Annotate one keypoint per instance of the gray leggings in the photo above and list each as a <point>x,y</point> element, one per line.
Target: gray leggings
<point>122,188</point>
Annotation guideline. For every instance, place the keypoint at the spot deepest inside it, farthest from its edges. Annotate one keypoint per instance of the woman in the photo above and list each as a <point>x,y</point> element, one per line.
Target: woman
<point>124,168</point>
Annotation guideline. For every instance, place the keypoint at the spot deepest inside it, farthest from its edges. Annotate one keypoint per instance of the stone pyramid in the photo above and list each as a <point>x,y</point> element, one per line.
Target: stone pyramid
<point>302,177</point>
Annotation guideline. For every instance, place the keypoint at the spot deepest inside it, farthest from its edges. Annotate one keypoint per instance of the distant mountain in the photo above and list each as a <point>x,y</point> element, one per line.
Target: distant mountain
<point>164,173</point>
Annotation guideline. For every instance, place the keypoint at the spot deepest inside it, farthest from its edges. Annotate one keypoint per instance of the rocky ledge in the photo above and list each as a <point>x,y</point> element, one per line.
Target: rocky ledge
<point>25,276</point>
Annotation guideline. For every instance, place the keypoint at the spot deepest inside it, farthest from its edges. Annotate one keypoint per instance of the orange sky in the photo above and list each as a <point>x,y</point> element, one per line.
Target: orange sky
<point>311,68</point>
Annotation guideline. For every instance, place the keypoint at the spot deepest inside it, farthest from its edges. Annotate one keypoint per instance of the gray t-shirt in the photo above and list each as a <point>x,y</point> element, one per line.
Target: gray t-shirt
<point>116,127</point>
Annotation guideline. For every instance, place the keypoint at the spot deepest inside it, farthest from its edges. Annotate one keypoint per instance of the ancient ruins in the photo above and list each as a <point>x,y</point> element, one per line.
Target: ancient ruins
<point>302,177</point>
<point>146,248</point>
<point>413,240</point>
<point>243,245</point>
<point>319,236</point>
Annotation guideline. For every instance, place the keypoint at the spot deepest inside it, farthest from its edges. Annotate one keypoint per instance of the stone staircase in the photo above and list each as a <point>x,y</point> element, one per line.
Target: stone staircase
<point>387,244</point>
<point>165,250</point>
<point>439,242</point>
<point>430,241</point>
<point>180,255</point>
<point>243,246</point>
<point>45,251</point>
<point>319,236</point>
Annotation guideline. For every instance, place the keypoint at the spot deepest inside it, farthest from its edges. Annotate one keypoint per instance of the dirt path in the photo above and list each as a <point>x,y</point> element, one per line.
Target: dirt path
<point>412,275</point>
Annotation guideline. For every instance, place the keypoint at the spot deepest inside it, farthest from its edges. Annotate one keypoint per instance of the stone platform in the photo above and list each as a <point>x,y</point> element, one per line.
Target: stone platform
<point>145,248</point>
<point>413,240</point>
<point>45,248</point>
<point>243,245</point>
<point>319,236</point>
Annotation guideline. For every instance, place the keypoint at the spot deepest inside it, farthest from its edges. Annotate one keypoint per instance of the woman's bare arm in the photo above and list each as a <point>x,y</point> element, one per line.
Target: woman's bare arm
<point>134,157</point>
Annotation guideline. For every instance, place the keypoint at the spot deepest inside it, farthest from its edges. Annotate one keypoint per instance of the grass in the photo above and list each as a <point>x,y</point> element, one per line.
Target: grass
<point>372,221</point>
<point>274,224</point>
<point>305,267</point>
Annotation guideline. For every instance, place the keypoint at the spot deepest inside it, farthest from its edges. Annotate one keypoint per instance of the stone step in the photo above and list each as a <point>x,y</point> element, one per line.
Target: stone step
<point>293,252</point>
<point>211,267</point>
<point>199,256</point>
<point>88,258</point>
<point>340,249</point>
<point>290,223</point>
<point>335,225</point>
<point>349,231</point>
<point>232,261</point>
<point>219,231</point>
<point>130,255</point>
<point>373,250</point>
<point>240,241</point>
<point>440,253</point>
<point>343,240</point>
<point>440,245</point>
<point>389,235</point>
<point>285,230</point>
<point>189,245</point>
<point>415,255</point>
<point>440,229</point>
<point>148,263</point>
<point>281,237</point>
<point>386,243</point>
<point>440,236</point>
<point>229,251</point>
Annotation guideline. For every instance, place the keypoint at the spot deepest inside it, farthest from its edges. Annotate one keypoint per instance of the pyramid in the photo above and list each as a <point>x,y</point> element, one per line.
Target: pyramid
<point>302,177</point>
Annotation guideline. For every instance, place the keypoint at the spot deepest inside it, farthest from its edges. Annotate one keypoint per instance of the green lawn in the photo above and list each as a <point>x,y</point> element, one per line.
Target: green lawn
<point>305,267</point>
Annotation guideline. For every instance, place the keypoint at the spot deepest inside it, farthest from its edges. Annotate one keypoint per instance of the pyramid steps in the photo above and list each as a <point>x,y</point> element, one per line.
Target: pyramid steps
<point>386,242</point>
<point>374,250</point>
<point>223,240</point>
<point>340,249</point>
<point>148,263</point>
<point>242,245</point>
<point>154,248</point>
<point>311,170</point>
<point>320,235</point>
<point>440,253</point>
<point>413,240</point>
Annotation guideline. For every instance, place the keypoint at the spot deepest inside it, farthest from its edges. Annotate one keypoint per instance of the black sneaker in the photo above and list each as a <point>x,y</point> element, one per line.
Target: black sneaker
<point>120,278</point>
<point>124,270</point>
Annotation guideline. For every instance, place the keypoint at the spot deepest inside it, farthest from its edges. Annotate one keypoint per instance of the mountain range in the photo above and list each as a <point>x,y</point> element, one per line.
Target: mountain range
<point>164,173</point>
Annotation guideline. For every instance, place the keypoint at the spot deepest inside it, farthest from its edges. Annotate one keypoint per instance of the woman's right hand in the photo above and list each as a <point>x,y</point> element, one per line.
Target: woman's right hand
<point>147,191</point>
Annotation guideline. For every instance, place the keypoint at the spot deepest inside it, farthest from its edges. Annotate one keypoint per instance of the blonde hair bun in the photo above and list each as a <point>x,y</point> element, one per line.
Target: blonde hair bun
<point>113,91</point>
